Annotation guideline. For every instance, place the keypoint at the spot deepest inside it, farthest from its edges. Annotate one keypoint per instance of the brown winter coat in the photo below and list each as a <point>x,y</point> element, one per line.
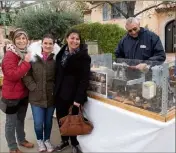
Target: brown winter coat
<point>40,81</point>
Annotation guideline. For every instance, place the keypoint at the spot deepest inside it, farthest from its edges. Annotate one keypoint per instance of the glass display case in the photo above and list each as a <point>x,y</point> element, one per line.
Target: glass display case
<point>152,89</point>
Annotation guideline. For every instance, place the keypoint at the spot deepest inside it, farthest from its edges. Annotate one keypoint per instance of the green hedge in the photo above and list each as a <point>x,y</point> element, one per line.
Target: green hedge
<point>107,35</point>
<point>42,21</point>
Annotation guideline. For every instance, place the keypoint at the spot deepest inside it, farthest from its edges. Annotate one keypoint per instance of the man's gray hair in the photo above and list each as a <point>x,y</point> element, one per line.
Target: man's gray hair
<point>131,20</point>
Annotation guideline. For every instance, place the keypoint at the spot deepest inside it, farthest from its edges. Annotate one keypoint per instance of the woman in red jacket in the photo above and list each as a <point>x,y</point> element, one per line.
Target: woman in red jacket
<point>14,93</point>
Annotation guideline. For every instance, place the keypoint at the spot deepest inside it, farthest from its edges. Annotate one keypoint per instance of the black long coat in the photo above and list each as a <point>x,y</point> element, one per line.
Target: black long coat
<point>72,81</point>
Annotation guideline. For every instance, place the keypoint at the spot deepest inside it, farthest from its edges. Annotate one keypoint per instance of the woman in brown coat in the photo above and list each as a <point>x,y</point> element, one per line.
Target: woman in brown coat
<point>40,82</point>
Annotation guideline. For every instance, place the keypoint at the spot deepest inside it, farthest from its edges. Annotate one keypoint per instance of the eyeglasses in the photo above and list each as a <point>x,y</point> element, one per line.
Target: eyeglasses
<point>131,30</point>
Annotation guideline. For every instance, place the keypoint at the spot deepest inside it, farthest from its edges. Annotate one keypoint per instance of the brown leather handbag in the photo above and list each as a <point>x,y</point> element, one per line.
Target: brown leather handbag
<point>73,125</point>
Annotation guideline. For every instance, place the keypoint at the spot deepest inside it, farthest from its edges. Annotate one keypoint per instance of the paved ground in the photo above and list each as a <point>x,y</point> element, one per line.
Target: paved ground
<point>55,136</point>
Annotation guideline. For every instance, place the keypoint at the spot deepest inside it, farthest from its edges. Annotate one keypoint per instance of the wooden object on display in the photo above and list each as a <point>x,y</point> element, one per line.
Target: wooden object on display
<point>170,115</point>
<point>143,112</point>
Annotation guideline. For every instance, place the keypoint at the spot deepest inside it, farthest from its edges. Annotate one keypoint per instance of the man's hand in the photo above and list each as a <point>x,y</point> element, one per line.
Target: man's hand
<point>142,67</point>
<point>76,104</point>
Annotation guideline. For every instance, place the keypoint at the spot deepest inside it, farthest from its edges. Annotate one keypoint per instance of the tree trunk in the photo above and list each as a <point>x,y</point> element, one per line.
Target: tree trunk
<point>130,8</point>
<point>1,3</point>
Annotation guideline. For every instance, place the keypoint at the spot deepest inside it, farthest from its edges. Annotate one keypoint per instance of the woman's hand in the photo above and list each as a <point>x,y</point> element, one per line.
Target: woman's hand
<point>76,104</point>
<point>27,57</point>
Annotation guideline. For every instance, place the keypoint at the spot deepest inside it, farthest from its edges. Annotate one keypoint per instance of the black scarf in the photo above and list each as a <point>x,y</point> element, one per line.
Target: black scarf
<point>66,55</point>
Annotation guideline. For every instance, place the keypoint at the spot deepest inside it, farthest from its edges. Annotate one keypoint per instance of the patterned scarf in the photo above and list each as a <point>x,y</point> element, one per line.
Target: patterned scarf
<point>66,55</point>
<point>18,52</point>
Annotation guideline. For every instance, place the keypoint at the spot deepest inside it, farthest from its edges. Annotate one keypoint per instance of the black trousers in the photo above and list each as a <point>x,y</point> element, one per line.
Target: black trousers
<point>62,109</point>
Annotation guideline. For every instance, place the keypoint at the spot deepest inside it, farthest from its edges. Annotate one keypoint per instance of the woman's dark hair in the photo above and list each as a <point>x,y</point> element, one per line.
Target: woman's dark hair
<point>73,31</point>
<point>49,36</point>
<point>4,49</point>
<point>10,35</point>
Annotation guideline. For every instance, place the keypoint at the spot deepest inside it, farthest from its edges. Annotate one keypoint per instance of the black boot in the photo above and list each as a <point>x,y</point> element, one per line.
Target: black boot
<point>62,146</point>
<point>75,149</point>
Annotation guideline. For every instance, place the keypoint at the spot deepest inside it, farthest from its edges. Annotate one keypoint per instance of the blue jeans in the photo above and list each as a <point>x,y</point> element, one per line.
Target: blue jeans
<point>43,120</point>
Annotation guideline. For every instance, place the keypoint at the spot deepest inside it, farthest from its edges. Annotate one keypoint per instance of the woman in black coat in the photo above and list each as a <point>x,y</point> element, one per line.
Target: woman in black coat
<point>72,80</point>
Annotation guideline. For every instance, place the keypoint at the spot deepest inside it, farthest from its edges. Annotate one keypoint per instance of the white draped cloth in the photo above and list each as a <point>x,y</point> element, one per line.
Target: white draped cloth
<point>118,130</point>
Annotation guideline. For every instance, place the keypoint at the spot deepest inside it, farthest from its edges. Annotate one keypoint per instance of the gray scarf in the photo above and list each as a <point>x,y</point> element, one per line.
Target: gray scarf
<point>21,53</point>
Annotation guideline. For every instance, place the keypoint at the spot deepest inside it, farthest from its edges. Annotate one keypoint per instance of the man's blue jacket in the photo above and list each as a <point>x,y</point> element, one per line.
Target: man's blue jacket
<point>147,47</point>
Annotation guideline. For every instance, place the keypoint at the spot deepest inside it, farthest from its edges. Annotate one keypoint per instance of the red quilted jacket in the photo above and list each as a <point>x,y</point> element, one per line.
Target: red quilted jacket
<point>13,87</point>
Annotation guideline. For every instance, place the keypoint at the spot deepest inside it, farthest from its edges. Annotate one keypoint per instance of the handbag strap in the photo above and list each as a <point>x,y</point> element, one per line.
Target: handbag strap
<point>80,110</point>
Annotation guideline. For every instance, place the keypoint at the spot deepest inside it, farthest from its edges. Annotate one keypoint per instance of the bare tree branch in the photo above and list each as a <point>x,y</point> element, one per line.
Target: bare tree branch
<point>118,9</point>
<point>148,8</point>
<point>97,5</point>
<point>130,5</point>
<point>7,5</point>
<point>61,5</point>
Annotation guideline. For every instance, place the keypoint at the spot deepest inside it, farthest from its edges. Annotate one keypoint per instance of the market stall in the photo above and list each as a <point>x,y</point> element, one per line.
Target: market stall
<point>131,110</point>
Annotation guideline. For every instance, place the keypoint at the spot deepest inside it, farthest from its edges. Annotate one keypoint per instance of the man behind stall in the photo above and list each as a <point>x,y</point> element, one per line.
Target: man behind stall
<point>141,44</point>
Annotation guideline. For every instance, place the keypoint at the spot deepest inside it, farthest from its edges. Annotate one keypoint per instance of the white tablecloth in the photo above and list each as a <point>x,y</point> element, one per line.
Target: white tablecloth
<point>118,130</point>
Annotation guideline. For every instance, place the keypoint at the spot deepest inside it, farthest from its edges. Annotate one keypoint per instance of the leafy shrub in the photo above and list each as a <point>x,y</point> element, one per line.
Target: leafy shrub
<point>107,35</point>
<point>39,22</point>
